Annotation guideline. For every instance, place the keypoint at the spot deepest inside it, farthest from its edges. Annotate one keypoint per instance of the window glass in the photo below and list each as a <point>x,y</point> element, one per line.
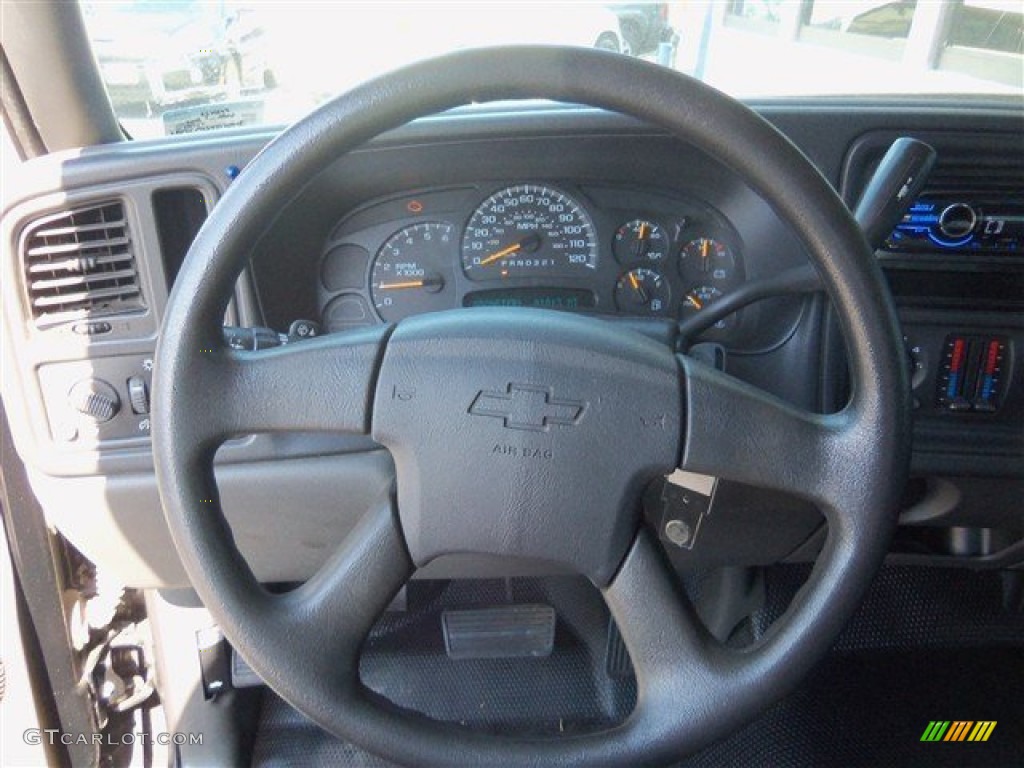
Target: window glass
<point>994,26</point>
<point>175,67</point>
<point>888,20</point>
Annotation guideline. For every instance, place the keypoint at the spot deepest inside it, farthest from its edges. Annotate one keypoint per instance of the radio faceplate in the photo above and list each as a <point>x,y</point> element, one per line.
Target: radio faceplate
<point>960,224</point>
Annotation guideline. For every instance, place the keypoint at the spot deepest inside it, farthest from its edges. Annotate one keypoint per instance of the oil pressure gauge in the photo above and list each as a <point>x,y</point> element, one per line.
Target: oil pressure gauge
<point>700,298</point>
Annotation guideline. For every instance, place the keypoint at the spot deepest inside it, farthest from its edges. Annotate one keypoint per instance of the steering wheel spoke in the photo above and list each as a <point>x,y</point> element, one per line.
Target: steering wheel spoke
<point>321,384</point>
<point>328,617</point>
<point>325,620</point>
<point>738,432</point>
<point>667,642</point>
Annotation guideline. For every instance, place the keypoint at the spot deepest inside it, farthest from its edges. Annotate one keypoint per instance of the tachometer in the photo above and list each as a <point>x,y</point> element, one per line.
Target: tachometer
<point>528,231</point>
<point>412,273</point>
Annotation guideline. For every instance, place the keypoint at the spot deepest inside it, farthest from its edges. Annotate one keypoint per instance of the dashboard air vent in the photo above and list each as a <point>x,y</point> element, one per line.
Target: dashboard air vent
<point>986,174</point>
<point>81,263</point>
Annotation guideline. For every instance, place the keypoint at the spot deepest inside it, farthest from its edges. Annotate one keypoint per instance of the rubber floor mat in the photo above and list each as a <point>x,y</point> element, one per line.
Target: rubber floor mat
<point>857,709</point>
<point>926,645</point>
<point>871,708</point>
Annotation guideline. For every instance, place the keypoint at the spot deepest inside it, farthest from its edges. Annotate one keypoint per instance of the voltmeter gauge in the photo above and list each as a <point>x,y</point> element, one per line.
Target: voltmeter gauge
<point>640,240</point>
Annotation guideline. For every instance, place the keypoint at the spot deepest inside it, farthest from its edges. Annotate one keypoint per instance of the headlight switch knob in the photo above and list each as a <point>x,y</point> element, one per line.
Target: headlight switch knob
<point>95,399</point>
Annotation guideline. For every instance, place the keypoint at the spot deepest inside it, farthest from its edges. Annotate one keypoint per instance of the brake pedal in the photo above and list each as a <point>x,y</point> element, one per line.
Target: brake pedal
<point>506,632</point>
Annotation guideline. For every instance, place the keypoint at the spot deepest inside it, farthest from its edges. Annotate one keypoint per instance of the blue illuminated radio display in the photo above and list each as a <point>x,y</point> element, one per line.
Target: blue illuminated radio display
<point>940,224</point>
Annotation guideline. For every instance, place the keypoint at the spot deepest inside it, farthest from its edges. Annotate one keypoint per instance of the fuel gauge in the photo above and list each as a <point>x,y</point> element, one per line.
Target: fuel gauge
<point>643,291</point>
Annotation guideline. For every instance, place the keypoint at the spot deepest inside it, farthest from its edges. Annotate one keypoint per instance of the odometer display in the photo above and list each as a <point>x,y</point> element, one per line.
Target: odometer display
<point>570,299</point>
<point>529,231</point>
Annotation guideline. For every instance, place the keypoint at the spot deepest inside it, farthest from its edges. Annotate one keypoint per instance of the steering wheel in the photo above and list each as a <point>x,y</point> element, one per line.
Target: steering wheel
<point>608,412</point>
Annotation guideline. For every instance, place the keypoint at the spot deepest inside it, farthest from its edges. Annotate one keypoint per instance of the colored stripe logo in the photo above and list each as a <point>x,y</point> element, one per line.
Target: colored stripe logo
<point>958,730</point>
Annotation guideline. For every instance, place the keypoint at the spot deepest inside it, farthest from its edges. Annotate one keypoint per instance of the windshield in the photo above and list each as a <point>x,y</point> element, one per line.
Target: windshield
<point>174,67</point>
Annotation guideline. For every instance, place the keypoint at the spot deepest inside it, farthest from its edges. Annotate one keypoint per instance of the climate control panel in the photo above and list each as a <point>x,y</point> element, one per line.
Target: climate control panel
<point>971,373</point>
<point>968,373</point>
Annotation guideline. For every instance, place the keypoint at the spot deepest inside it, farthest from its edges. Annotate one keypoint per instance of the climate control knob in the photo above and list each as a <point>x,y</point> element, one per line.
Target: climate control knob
<point>958,220</point>
<point>95,399</point>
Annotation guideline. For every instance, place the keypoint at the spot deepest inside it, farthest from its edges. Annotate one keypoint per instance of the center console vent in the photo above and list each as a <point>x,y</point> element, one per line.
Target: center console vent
<point>80,264</point>
<point>986,175</point>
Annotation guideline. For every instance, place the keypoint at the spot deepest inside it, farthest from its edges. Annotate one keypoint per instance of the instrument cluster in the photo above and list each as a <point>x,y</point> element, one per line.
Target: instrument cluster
<point>593,248</point>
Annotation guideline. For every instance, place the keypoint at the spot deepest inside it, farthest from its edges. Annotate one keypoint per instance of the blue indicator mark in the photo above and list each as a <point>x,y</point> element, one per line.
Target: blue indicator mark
<point>954,380</point>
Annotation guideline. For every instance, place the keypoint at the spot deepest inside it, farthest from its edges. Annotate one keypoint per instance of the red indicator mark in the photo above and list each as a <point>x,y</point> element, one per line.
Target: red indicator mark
<point>958,356</point>
<point>993,357</point>
<point>414,206</point>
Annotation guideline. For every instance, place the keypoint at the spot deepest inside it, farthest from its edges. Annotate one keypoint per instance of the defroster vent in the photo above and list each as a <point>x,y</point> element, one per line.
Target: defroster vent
<point>81,263</point>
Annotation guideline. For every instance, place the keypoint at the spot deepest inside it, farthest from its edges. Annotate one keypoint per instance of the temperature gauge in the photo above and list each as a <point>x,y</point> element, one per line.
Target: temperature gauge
<point>643,291</point>
<point>704,259</point>
<point>640,240</point>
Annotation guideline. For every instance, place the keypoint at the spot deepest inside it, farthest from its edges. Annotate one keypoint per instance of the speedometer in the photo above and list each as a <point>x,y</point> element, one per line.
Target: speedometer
<point>529,231</point>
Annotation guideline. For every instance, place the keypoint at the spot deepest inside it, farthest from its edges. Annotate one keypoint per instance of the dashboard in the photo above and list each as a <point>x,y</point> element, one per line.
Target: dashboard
<point>600,249</point>
<point>546,206</point>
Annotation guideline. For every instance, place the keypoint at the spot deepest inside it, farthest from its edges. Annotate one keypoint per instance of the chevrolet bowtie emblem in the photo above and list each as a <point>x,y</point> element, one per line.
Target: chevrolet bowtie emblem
<point>529,407</point>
